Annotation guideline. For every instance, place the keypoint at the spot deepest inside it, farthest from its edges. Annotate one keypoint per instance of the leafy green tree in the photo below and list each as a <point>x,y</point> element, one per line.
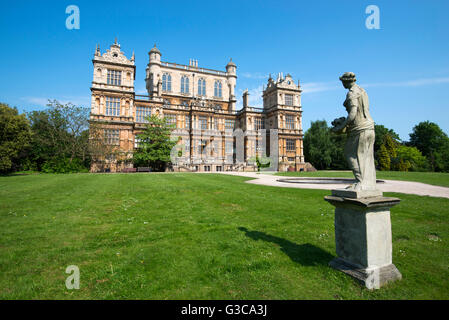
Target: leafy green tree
<point>60,132</point>
<point>155,144</point>
<point>441,158</point>
<point>381,133</point>
<point>390,145</point>
<point>433,143</point>
<point>410,158</point>
<point>319,148</point>
<point>15,135</point>
<point>339,161</point>
<point>383,158</point>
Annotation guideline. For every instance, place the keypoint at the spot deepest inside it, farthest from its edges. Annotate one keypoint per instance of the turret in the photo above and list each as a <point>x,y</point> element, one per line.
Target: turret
<point>153,70</point>
<point>231,70</point>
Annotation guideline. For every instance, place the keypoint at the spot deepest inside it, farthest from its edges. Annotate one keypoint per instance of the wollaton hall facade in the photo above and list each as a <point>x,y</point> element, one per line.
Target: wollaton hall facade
<point>201,104</point>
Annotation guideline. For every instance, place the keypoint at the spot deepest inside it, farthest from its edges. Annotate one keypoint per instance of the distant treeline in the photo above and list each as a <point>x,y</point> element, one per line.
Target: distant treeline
<point>427,149</point>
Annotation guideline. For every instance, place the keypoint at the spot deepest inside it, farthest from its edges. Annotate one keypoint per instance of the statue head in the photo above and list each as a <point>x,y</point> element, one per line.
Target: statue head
<point>348,79</point>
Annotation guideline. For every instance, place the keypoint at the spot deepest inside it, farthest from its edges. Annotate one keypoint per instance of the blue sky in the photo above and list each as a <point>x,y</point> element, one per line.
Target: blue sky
<point>404,66</point>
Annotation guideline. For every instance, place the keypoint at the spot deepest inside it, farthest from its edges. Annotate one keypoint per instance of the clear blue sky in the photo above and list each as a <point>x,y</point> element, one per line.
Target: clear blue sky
<point>404,66</point>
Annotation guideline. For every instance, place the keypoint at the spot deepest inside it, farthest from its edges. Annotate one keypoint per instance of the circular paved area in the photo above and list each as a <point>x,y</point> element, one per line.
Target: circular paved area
<point>418,188</point>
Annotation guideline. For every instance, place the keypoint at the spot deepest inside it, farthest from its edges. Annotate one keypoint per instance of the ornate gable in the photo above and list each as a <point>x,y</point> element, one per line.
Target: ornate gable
<point>114,55</point>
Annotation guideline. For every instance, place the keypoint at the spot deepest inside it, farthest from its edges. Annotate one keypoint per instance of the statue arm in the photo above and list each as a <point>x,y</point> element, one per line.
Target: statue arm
<point>341,123</point>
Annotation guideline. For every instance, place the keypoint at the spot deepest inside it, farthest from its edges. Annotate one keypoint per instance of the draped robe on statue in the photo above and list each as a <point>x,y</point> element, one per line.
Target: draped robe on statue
<point>359,148</point>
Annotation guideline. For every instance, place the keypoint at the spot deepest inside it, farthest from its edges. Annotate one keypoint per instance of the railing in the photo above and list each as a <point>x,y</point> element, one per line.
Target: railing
<point>192,68</point>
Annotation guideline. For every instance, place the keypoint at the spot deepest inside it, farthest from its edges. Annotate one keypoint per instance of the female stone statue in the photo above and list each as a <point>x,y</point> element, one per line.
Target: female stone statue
<point>359,127</point>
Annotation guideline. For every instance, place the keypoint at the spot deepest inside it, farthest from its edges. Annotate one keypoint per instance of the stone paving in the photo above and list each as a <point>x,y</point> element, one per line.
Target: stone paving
<point>410,187</point>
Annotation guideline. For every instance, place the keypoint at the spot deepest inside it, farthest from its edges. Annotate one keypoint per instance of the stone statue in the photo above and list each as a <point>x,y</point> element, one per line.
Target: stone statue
<point>362,215</point>
<point>359,128</point>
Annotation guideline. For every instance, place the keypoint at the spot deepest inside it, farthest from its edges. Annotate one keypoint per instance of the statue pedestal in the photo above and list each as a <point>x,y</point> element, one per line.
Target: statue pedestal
<point>363,238</point>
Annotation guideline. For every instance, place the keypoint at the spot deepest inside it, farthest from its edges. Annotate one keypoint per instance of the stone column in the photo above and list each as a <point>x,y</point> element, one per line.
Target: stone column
<point>363,238</point>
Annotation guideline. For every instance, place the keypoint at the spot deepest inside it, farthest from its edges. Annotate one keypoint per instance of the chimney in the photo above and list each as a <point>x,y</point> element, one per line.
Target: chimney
<point>245,98</point>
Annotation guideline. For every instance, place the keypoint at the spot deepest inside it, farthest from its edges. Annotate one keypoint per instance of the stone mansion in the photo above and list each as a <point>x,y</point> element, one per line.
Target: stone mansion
<point>201,104</point>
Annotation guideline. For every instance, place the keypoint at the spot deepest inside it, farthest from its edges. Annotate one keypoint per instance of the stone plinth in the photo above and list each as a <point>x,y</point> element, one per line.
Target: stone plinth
<point>363,239</point>
<point>356,194</point>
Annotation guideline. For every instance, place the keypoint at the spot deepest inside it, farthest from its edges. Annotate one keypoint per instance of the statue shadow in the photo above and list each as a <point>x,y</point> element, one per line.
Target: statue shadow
<point>305,254</point>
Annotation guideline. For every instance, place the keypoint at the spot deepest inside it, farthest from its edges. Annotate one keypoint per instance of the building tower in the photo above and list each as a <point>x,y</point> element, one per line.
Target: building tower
<point>283,110</point>
<point>112,104</point>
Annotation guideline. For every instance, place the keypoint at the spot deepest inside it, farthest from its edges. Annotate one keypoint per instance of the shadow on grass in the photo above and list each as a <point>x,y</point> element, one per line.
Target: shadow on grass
<point>306,254</point>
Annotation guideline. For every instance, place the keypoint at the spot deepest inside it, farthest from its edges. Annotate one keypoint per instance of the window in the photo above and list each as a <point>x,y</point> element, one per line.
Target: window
<point>291,159</point>
<point>206,168</point>
<point>217,89</point>
<point>187,146</point>
<point>290,122</point>
<point>141,113</point>
<point>229,147</point>
<point>171,119</point>
<point>111,136</point>
<point>259,124</point>
<point>218,168</point>
<point>187,122</point>
<point>203,123</point>
<point>185,84</point>
<point>112,106</point>
<point>184,103</point>
<point>166,82</point>
<point>229,124</point>
<point>215,124</point>
<point>114,77</point>
<point>201,87</point>
<point>289,99</point>
<point>290,144</point>
<point>166,102</point>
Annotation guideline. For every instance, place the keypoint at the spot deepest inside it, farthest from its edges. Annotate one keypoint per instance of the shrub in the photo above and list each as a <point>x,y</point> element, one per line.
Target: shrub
<point>63,165</point>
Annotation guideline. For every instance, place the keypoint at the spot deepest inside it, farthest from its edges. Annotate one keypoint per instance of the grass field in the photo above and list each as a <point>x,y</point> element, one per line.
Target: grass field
<point>434,178</point>
<point>198,236</point>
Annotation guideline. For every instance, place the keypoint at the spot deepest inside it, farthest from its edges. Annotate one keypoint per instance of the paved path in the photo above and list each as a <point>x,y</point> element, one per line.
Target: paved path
<point>418,188</point>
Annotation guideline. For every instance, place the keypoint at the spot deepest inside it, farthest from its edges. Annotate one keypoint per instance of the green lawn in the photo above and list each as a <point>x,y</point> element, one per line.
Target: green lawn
<point>434,178</point>
<point>198,236</point>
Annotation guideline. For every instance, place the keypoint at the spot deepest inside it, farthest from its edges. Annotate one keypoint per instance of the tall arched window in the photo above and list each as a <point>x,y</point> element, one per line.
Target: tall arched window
<point>217,89</point>
<point>201,87</point>
<point>166,82</point>
<point>185,84</point>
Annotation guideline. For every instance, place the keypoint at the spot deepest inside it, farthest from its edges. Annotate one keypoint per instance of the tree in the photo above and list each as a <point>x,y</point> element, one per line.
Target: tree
<point>319,146</point>
<point>15,135</point>
<point>410,158</point>
<point>155,144</point>
<point>383,158</point>
<point>433,143</point>
<point>59,133</point>
<point>381,133</point>
<point>339,161</point>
